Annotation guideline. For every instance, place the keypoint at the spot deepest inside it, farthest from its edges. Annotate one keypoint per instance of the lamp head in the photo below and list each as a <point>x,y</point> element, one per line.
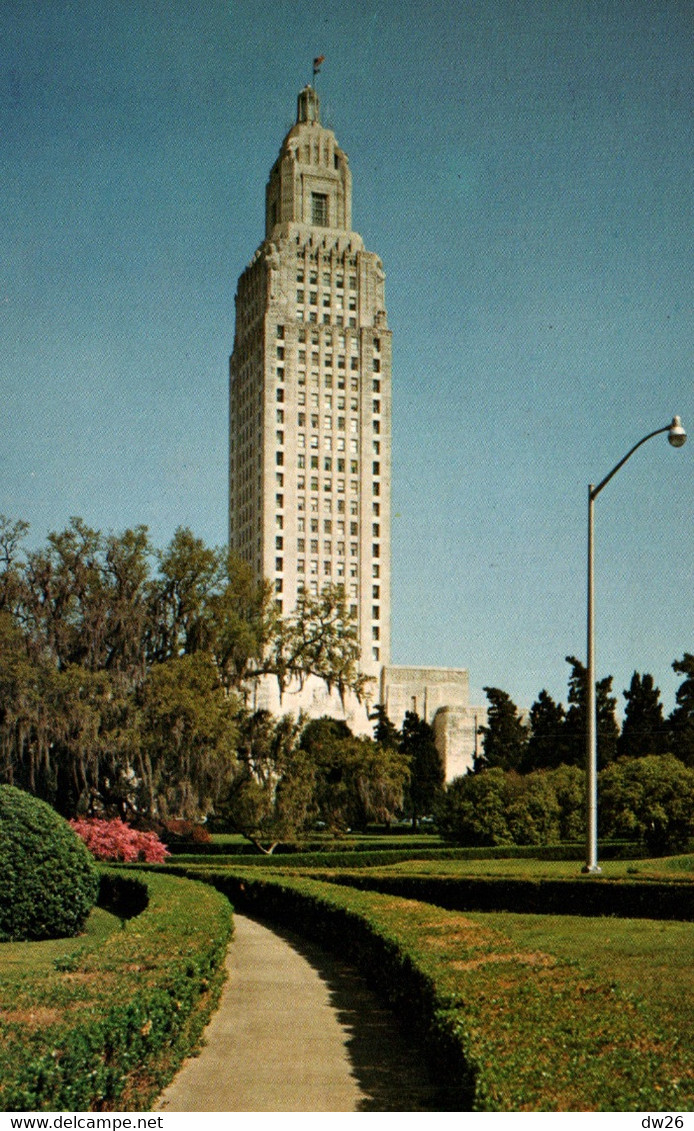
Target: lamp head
<point>676,433</point>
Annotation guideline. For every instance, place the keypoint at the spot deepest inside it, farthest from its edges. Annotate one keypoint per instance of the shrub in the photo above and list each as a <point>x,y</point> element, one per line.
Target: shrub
<point>49,880</point>
<point>651,798</point>
<point>115,841</point>
<point>176,831</point>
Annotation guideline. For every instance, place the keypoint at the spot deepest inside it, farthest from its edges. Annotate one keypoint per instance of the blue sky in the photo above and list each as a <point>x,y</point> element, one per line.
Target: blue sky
<point>524,168</point>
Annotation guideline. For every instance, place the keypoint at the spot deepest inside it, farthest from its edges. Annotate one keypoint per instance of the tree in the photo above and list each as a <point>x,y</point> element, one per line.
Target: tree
<point>426,773</point>
<point>505,736</point>
<point>651,798</point>
<point>575,727</point>
<point>240,619</point>
<point>358,781</point>
<point>271,796</point>
<point>681,721</point>
<point>500,807</point>
<point>385,731</point>
<point>472,811</point>
<point>189,573</point>
<point>545,748</point>
<point>11,534</point>
<point>189,738</point>
<point>643,729</point>
<point>319,638</point>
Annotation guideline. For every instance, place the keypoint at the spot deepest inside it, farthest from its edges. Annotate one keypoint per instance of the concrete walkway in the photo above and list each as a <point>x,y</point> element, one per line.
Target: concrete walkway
<point>297,1030</point>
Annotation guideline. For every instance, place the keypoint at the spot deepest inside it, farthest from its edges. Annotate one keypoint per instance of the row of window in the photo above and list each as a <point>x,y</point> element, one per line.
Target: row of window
<point>326,278</point>
<point>314,336</point>
<point>301,562</point>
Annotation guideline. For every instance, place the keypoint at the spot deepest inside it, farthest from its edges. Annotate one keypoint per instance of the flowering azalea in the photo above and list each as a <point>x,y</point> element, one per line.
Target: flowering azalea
<point>116,841</point>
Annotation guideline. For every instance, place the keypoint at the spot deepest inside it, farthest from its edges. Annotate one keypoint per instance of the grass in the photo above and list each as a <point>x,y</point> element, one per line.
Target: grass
<point>645,958</point>
<point>19,959</point>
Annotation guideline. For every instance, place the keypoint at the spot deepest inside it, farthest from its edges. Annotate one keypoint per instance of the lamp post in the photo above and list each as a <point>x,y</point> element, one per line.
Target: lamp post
<point>677,437</point>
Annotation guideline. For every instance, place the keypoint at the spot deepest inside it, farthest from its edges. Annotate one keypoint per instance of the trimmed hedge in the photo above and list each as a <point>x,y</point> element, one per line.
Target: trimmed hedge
<point>107,1029</point>
<point>589,896</point>
<point>49,879</point>
<point>507,1030</point>
<point>363,856</point>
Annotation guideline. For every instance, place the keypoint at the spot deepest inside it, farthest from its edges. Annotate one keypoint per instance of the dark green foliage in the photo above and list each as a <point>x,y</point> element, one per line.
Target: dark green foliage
<point>505,808</point>
<point>473,810</point>
<point>426,772</point>
<point>505,736</point>
<point>358,780</point>
<point>385,731</point>
<point>545,748</point>
<point>681,721</point>
<point>137,1008</point>
<point>575,726</point>
<point>49,879</point>
<point>649,798</point>
<point>643,729</point>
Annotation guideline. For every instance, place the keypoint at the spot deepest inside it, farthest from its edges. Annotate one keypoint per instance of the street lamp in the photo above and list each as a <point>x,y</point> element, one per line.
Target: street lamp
<point>677,437</point>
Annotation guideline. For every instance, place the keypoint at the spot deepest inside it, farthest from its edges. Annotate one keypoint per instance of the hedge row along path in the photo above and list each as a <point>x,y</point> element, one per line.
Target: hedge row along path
<point>297,1030</point>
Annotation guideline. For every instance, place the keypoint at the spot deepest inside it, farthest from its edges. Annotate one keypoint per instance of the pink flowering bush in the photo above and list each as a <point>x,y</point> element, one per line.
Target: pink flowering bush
<point>114,840</point>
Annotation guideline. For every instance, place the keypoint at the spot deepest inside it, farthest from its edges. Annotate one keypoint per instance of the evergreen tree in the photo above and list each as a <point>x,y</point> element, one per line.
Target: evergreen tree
<point>681,721</point>
<point>576,729</point>
<point>385,731</point>
<point>505,738</point>
<point>643,730</point>
<point>426,773</point>
<point>545,748</point>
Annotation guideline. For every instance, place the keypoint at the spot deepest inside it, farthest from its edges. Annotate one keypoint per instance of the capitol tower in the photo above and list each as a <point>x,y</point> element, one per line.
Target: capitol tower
<point>310,394</point>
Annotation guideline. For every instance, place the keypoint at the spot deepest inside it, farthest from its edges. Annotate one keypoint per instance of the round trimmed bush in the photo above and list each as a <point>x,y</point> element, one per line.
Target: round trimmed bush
<point>49,880</point>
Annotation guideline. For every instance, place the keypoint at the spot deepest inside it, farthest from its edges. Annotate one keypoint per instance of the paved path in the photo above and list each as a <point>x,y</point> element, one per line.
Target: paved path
<point>297,1030</point>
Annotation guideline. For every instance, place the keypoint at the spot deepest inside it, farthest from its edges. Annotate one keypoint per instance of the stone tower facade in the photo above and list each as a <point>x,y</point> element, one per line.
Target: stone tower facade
<point>310,393</point>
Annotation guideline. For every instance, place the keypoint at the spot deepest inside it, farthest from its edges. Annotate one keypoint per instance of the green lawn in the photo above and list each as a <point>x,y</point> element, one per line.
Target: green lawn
<point>31,958</point>
<point>645,958</point>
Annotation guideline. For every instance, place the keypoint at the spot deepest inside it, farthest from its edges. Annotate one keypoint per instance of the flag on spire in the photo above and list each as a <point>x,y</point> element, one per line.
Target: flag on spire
<point>317,64</point>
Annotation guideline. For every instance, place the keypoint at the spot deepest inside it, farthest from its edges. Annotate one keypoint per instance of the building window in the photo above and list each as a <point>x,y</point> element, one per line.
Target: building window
<point>319,209</point>
<point>375,612</point>
<point>279,458</point>
<point>375,653</point>
<point>376,592</point>
<point>375,570</point>
<point>278,565</point>
<point>376,550</point>
<point>375,632</point>
<point>280,395</point>
<point>280,331</point>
